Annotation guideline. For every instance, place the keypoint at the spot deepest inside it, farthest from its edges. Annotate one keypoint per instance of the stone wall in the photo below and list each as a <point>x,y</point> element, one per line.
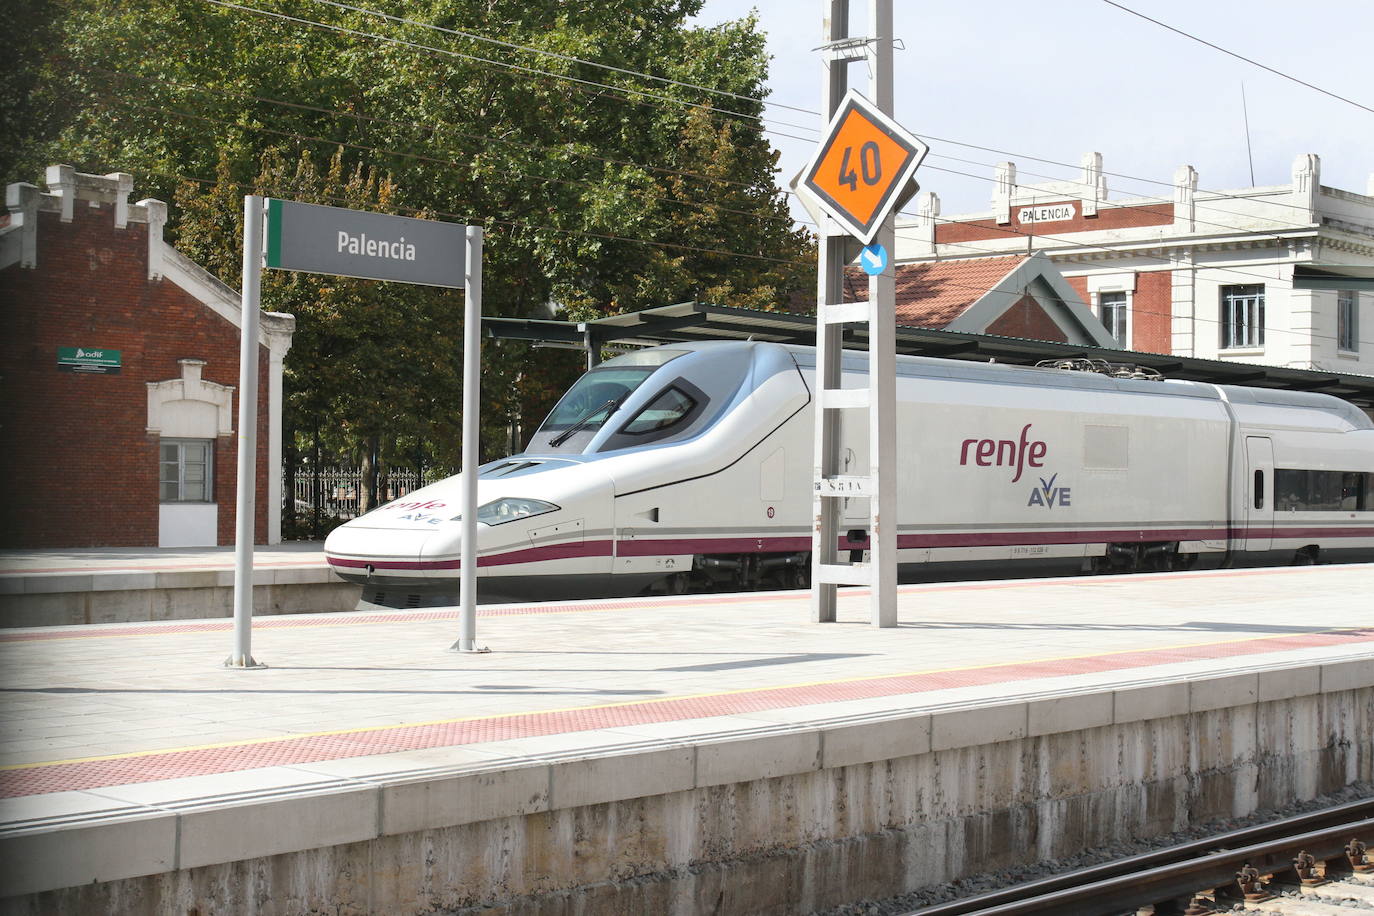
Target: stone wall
<point>781,822</point>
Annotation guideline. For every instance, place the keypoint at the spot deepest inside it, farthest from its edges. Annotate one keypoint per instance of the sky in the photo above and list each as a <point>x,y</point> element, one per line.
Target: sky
<point>1055,79</point>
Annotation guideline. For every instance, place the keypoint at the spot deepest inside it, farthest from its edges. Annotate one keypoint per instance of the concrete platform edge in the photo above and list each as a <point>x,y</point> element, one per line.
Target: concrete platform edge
<point>101,839</point>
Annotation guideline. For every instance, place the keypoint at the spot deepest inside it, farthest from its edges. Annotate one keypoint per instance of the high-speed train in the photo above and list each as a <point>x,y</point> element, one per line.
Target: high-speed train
<point>690,466</point>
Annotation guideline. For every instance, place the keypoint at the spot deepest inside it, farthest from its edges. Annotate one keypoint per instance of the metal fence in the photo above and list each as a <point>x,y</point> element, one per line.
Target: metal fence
<point>333,493</point>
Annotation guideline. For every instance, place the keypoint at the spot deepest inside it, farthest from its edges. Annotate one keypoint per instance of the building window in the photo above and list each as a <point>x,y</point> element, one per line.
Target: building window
<point>185,471</point>
<point>1111,307</point>
<point>1347,320</point>
<point>1242,316</point>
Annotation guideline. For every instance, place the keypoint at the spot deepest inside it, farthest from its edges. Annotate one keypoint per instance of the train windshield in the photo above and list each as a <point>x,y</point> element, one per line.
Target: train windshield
<point>594,398</point>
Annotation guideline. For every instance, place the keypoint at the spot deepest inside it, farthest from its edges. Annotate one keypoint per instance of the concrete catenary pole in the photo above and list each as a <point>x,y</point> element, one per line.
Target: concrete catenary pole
<point>242,654</point>
<point>879,487</point>
<point>829,289</point>
<point>882,365</point>
<point>472,378</point>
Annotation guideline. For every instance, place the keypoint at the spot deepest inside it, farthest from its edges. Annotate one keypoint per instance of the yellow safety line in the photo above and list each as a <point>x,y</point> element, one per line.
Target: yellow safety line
<point>697,696</point>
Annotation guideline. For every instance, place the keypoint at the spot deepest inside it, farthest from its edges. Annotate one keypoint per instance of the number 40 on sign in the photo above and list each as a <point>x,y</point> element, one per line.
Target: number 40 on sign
<point>861,167</point>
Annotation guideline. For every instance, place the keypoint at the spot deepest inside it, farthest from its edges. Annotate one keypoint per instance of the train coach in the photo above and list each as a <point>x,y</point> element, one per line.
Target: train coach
<point>689,466</point>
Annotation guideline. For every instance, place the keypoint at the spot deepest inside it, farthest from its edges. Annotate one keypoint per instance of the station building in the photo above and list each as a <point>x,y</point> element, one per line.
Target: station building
<point>1022,296</point>
<point>120,365</point>
<point>1196,273</point>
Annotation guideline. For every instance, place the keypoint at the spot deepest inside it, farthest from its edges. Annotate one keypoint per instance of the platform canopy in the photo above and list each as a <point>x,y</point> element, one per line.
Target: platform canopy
<point>699,321</point>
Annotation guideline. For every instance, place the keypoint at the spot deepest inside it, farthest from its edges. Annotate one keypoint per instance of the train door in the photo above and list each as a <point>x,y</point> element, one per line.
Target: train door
<point>1259,493</point>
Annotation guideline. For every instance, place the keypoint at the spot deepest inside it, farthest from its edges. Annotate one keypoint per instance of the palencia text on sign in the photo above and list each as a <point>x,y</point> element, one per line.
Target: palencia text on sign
<point>1050,213</point>
<point>375,248</point>
<point>355,243</point>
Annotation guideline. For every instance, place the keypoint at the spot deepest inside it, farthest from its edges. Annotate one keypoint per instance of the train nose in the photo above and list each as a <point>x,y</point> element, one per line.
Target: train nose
<point>360,553</point>
<point>441,553</point>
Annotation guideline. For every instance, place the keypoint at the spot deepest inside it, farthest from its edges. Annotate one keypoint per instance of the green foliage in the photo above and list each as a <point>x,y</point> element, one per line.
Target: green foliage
<point>591,199</point>
<point>31,99</point>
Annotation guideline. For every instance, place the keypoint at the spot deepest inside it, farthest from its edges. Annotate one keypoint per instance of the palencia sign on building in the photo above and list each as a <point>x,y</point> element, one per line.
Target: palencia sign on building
<point>353,243</point>
<point>1049,213</point>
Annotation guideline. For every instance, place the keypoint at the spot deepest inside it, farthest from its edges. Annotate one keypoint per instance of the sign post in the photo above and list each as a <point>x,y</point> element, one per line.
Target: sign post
<point>288,235</point>
<point>242,654</point>
<point>861,172</point>
<point>472,375</point>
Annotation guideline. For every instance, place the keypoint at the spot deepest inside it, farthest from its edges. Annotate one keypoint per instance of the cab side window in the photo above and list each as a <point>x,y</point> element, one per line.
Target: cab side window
<point>671,414</point>
<point>667,410</point>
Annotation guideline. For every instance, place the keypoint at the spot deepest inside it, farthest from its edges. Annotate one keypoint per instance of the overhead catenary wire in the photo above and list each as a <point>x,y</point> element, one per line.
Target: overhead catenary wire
<point>524,224</point>
<point>1209,194</point>
<point>1276,235</point>
<point>557,56</point>
<point>1199,203</point>
<point>486,138</point>
<point>489,138</point>
<point>628,72</point>
<point>402,154</point>
<point>669,100</point>
<point>979,251</point>
<point>1254,63</point>
<point>451,161</point>
<point>1075,242</point>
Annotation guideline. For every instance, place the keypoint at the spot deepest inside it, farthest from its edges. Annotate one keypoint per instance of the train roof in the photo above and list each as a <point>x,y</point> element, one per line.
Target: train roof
<point>998,373</point>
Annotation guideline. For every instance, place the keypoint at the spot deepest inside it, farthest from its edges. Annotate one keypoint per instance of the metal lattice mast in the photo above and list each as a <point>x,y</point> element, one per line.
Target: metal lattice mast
<point>879,485</point>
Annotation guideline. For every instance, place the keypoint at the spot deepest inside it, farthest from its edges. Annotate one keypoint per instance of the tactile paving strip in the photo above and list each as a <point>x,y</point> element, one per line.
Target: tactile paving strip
<point>36,779</point>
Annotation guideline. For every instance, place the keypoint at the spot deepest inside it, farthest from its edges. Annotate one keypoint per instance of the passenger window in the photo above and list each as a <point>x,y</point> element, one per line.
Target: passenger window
<point>666,410</point>
<point>1259,489</point>
<point>1322,491</point>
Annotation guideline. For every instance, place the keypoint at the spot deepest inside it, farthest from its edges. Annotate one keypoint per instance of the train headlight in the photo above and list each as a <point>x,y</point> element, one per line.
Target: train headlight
<point>510,509</point>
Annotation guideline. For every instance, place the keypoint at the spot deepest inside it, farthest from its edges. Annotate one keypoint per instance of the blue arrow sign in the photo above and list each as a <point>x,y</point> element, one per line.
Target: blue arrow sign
<point>873,259</point>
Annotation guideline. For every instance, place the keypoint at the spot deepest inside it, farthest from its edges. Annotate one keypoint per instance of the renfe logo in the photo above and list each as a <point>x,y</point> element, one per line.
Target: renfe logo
<point>432,504</point>
<point>1005,452</point>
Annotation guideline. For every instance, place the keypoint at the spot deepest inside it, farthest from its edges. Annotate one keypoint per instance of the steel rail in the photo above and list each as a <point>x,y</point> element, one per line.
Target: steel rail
<point>1112,887</point>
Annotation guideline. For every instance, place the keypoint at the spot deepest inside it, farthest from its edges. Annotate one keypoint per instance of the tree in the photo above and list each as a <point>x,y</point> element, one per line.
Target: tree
<point>599,190</point>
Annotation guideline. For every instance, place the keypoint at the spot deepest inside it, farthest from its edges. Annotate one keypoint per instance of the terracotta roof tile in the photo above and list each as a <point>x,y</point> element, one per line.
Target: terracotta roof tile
<point>934,293</point>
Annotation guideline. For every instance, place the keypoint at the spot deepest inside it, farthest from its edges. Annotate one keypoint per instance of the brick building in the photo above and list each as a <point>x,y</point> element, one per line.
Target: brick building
<point>1013,296</point>
<point>1190,272</point>
<point>120,362</point>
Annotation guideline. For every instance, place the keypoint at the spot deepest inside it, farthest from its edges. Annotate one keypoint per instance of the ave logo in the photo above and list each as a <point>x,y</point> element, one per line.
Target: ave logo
<point>1048,495</point>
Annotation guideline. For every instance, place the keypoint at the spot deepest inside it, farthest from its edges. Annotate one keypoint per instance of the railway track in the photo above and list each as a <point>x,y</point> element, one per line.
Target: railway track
<point>1201,876</point>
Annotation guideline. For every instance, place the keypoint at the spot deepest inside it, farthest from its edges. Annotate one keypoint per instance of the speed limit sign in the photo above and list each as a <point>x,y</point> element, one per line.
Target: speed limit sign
<point>861,166</point>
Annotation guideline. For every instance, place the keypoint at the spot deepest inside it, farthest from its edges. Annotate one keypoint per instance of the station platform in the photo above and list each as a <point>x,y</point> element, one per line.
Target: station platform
<point>85,563</point>
<point>132,742</point>
<point>56,587</point>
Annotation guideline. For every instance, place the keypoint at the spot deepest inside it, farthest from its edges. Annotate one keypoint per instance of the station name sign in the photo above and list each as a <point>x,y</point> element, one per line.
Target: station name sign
<point>1051,213</point>
<point>373,246</point>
